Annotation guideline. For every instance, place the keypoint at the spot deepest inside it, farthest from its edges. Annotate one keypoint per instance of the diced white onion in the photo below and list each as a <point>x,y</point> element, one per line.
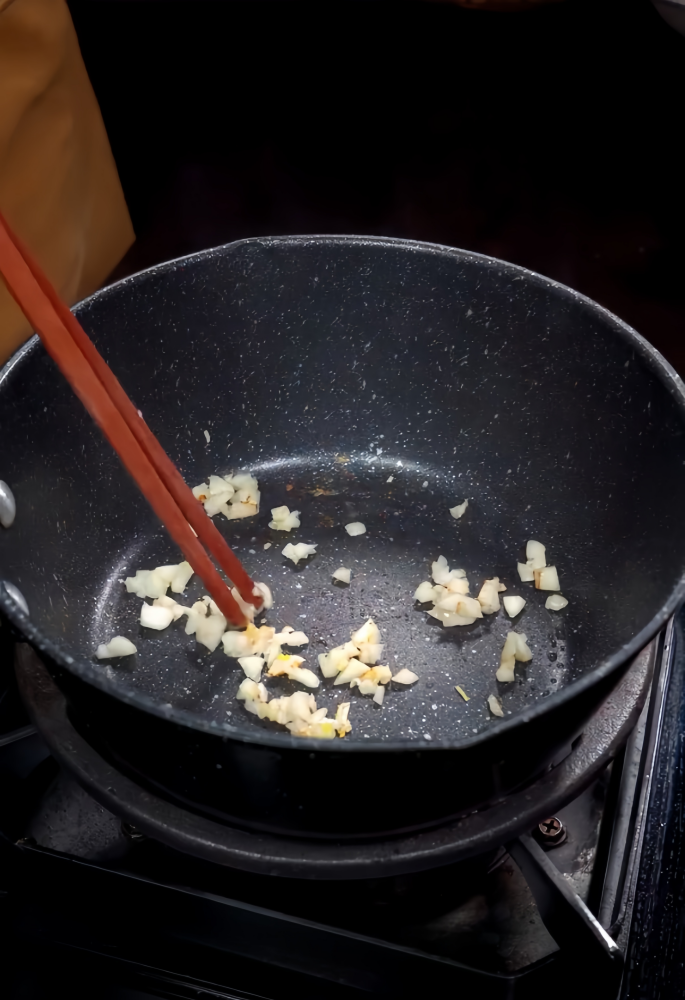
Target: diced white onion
<point>488,597</point>
<point>535,555</point>
<point>379,694</point>
<point>369,632</point>
<point>450,618</point>
<point>405,676</point>
<point>442,573</point>
<point>299,551</point>
<point>327,668</point>
<point>289,637</point>
<point>283,519</point>
<point>209,629</point>
<point>179,580</point>
<point>424,592</point>
<point>547,578</point>
<point>515,648</point>
<point>177,610</point>
<point>118,646</point>
<point>155,582</point>
<point>353,669</point>
<point>343,574</point>
<point>252,665</point>
<point>290,666</point>
<point>459,510</point>
<point>513,605</point>
<point>495,706</point>
<point>355,528</point>
<point>235,644</point>
<point>264,591</point>
<point>525,572</point>
<point>370,652</point>
<point>555,602</point>
<point>218,485</point>
<point>155,617</point>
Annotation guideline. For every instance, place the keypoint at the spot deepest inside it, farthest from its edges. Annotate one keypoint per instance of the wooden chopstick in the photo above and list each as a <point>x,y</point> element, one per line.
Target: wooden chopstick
<point>101,393</point>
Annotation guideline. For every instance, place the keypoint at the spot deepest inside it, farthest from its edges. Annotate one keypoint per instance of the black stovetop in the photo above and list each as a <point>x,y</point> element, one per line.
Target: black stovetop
<point>90,902</point>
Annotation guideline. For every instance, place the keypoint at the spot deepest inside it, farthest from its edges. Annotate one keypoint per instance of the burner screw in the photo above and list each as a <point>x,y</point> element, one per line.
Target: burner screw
<point>551,832</point>
<point>132,832</point>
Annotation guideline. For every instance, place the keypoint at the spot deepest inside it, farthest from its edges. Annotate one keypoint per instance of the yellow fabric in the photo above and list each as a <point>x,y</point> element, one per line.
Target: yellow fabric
<point>59,188</point>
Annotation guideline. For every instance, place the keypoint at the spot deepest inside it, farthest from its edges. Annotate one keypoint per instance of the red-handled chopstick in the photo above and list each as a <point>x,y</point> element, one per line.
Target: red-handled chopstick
<point>99,390</point>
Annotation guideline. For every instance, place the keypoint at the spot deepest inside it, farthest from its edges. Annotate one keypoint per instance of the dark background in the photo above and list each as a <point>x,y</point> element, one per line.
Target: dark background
<point>551,138</point>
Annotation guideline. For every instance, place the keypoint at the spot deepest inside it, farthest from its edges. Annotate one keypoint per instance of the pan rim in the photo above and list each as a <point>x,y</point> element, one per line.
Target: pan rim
<point>85,670</point>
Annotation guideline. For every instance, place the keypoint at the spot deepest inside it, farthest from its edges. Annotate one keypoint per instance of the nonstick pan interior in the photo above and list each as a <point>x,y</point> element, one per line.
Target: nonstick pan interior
<point>359,380</point>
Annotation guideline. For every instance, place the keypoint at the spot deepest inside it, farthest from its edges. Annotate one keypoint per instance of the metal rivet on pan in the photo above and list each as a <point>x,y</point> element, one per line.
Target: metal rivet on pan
<point>16,596</point>
<point>551,832</point>
<point>8,506</point>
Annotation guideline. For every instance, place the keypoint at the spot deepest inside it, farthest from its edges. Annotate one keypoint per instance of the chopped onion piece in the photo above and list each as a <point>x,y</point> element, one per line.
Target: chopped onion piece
<point>299,551</point>
<point>513,605</point>
<point>155,617</point>
<point>457,585</point>
<point>342,712</point>
<point>289,637</point>
<point>249,610</point>
<point>249,690</point>
<point>495,706</point>
<point>515,648</point>
<point>298,713</point>
<point>177,610</point>
<point>353,669</point>
<point>535,555</point>
<point>234,496</point>
<point>488,597</point>
<point>459,510</point>
<point>209,629</point>
<point>250,642</point>
<point>379,694</point>
<point>405,676</point>
<point>264,591</point>
<point>525,572</point>
<point>449,602</point>
<point>555,602</point>
<point>237,510</point>
<point>118,646</point>
<point>424,592</point>
<point>179,580</point>
<point>290,666</point>
<point>369,632</point>
<point>355,528</point>
<point>450,618</point>
<point>327,668</point>
<point>370,652</point>
<point>252,665</point>
<point>466,607</point>
<point>218,485</point>
<point>343,574</point>
<point>442,573</point>
<point>547,578</point>
<point>284,519</point>
<point>155,582</point>
<point>523,653</point>
<point>215,504</point>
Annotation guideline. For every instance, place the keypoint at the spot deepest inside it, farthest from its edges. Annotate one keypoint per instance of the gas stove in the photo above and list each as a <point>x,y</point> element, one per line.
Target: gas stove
<point>573,883</point>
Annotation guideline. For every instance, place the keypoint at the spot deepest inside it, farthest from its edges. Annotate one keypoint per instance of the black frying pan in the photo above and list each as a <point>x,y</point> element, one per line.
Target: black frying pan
<point>333,364</point>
